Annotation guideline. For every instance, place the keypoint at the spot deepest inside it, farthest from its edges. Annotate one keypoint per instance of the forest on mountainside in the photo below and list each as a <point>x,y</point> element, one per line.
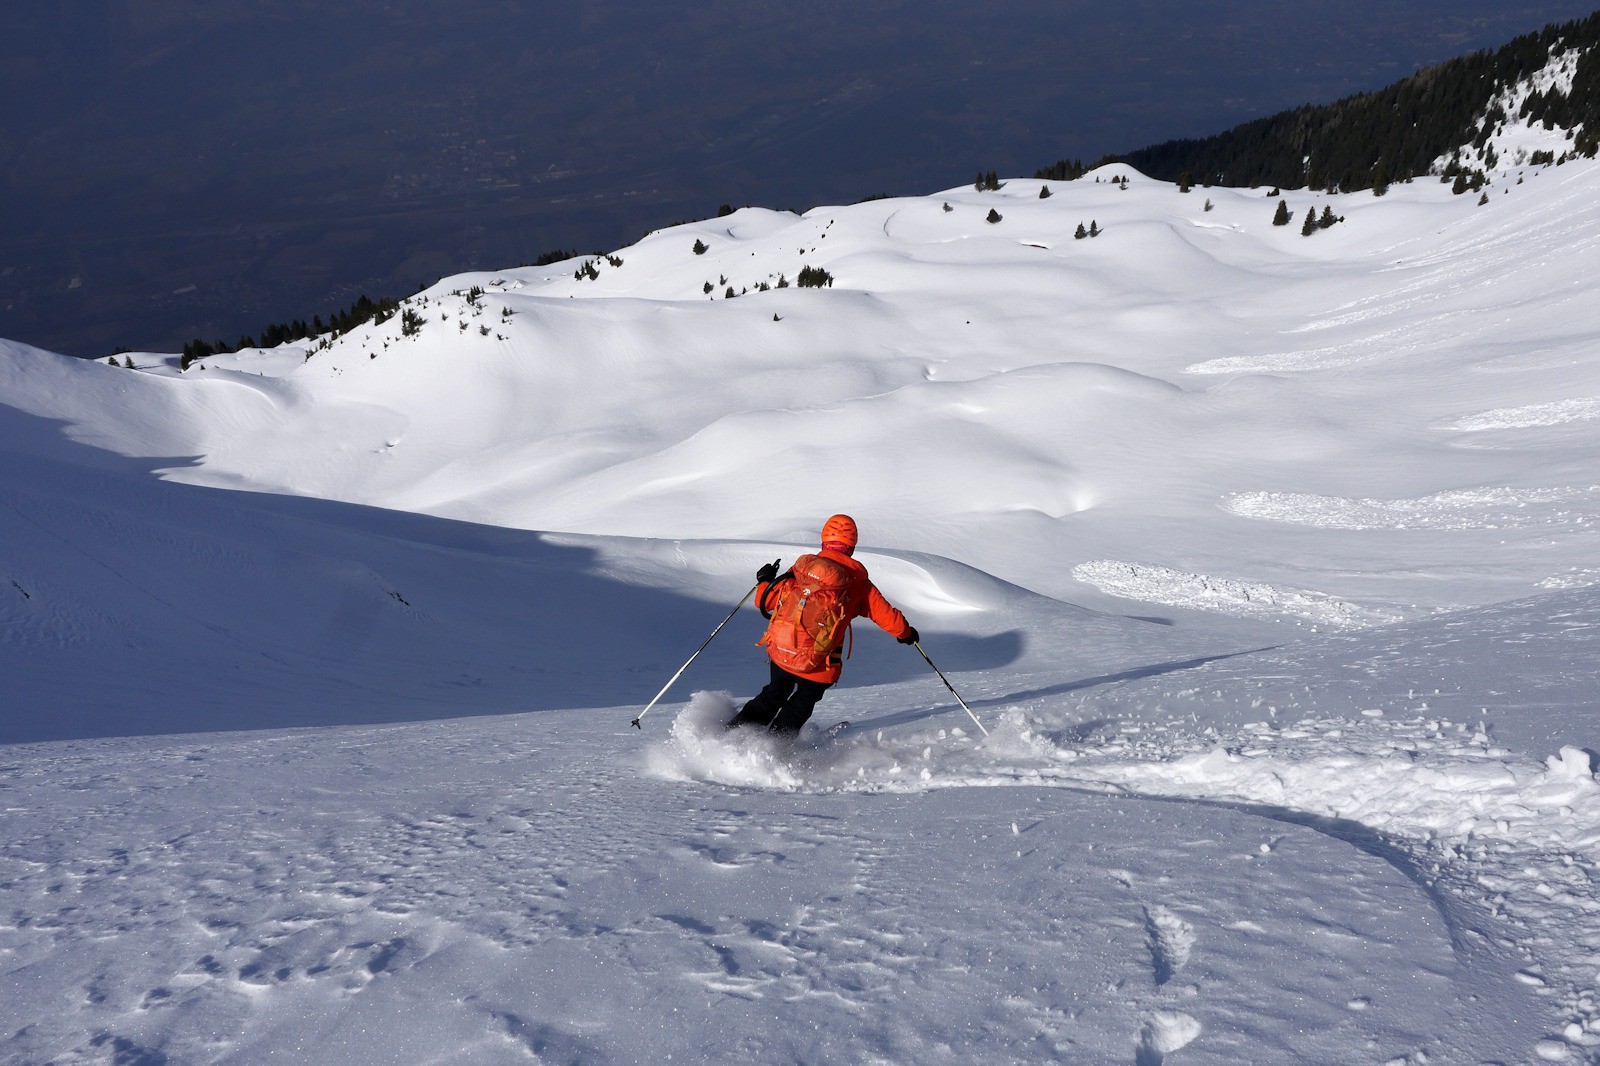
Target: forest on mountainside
<point>1367,140</point>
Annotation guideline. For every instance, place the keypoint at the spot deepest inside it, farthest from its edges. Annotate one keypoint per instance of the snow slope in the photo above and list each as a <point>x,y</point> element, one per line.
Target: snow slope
<point>1003,392</point>
<point>1265,559</point>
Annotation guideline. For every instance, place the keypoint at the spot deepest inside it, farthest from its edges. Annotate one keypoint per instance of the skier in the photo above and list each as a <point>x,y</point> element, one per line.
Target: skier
<point>811,606</point>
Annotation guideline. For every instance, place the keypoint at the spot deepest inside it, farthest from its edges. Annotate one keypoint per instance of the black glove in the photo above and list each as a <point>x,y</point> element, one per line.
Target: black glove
<point>768,572</point>
<point>910,637</point>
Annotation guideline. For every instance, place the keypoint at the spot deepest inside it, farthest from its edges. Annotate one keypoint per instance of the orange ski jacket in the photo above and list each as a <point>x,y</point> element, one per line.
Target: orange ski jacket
<point>862,600</point>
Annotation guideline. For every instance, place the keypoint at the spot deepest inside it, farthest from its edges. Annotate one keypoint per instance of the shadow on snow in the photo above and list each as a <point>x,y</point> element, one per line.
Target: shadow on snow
<point>135,606</point>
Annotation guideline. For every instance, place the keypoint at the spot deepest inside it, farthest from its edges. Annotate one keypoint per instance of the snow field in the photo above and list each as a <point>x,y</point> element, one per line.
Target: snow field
<point>567,919</point>
<point>1506,845</point>
<point>1508,852</point>
<point>1238,541</point>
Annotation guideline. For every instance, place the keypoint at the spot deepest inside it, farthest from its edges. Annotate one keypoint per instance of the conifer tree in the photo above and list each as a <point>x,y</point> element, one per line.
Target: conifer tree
<point>1282,216</point>
<point>1310,225</point>
<point>993,216</point>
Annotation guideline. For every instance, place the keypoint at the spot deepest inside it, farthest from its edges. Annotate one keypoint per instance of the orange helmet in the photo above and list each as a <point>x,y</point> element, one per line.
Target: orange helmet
<point>839,533</point>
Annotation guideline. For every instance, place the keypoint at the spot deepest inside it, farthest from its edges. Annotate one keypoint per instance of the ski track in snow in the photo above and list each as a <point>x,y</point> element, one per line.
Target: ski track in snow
<point>1576,577</point>
<point>1173,588</point>
<point>783,918</point>
<point>1486,508</point>
<point>1510,850</point>
<point>1554,413</point>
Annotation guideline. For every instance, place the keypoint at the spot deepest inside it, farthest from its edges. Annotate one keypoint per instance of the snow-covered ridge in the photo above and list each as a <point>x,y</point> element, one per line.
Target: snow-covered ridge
<point>972,386</point>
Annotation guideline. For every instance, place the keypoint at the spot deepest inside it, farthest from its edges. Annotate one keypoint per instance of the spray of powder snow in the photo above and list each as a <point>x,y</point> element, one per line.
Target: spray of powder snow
<point>866,759</point>
<point>700,748</point>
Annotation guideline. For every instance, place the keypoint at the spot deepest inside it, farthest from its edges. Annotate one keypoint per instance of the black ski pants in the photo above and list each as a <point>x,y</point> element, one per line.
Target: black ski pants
<point>784,705</point>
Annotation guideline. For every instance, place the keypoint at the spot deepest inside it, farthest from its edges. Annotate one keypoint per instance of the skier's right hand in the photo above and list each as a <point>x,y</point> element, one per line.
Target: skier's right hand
<point>768,572</point>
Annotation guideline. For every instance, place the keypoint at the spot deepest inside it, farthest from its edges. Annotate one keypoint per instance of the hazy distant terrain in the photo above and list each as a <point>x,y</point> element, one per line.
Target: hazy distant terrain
<point>171,170</point>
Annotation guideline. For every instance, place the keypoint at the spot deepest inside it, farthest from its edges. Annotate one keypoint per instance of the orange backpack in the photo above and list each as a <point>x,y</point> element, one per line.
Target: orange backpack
<point>811,617</point>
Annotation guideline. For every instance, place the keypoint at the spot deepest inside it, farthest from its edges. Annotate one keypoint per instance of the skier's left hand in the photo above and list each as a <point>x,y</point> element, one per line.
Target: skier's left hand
<point>768,572</point>
<point>911,636</point>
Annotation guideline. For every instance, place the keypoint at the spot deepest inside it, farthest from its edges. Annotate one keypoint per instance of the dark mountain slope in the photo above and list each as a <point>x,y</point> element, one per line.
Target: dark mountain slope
<point>1367,140</point>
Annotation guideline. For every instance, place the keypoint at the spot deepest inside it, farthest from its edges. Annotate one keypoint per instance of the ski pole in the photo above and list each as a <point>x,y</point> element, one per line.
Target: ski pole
<point>952,689</point>
<point>696,655</point>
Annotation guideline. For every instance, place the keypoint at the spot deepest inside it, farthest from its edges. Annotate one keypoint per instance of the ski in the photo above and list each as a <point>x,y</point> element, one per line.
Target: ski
<point>833,732</point>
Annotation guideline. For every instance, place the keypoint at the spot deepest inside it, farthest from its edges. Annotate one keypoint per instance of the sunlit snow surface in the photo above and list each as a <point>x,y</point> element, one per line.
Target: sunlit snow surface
<point>1266,560</point>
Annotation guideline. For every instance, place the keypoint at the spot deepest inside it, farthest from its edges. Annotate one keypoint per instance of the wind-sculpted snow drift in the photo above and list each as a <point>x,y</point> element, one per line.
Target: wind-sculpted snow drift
<point>1266,559</point>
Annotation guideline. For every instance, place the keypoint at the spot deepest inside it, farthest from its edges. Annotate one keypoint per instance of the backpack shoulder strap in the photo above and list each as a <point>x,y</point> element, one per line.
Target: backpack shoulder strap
<point>764,603</point>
